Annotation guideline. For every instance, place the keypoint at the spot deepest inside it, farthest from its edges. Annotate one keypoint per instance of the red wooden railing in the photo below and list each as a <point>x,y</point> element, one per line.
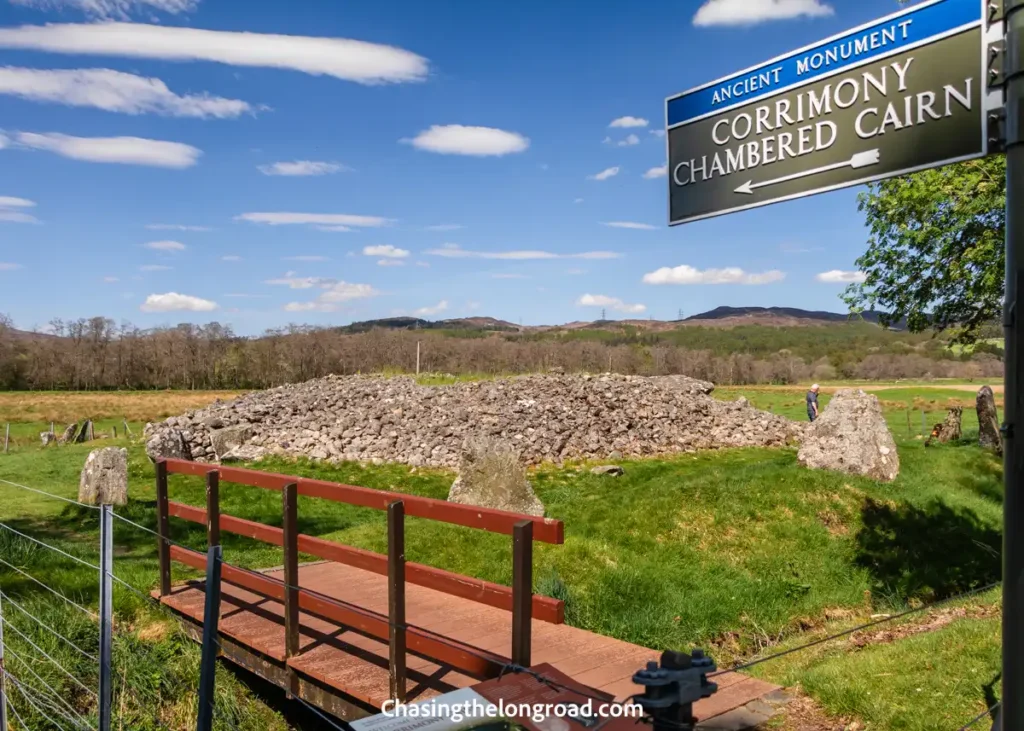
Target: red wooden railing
<point>519,599</point>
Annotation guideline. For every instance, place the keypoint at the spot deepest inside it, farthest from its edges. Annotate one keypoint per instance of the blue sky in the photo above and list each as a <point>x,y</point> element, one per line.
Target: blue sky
<point>258,163</point>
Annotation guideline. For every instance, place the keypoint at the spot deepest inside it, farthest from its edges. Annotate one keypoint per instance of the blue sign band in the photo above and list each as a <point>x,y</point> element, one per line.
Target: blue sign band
<point>886,36</point>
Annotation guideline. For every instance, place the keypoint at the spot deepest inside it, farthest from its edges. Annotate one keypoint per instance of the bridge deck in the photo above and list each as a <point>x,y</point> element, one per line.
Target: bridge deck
<point>357,666</point>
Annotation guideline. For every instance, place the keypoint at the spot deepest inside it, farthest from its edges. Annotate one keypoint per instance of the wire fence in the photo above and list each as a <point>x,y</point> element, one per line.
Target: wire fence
<point>55,673</point>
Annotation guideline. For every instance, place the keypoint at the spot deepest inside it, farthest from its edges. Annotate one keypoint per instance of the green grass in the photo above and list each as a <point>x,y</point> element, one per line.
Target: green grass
<point>734,551</point>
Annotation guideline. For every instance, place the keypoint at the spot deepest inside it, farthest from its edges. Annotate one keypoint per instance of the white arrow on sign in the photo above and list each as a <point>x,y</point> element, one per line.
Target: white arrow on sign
<point>860,160</point>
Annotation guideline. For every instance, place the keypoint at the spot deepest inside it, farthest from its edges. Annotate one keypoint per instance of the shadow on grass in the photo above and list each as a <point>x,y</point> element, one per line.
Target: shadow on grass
<point>928,552</point>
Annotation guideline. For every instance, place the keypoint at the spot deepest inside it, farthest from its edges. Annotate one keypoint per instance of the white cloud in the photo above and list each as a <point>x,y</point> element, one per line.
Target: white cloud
<point>578,200</point>
<point>176,227</point>
<point>509,276</point>
<point>385,250</point>
<point>390,263</point>
<point>614,303</point>
<point>6,266</point>
<point>658,132</point>
<point>174,302</point>
<point>114,8</point>
<point>335,229</point>
<point>154,268</point>
<point>629,122</point>
<point>454,251</point>
<point>604,174</point>
<point>788,248</point>
<point>658,172</point>
<point>243,295</point>
<point>7,201</point>
<point>629,141</point>
<point>432,309</point>
<point>114,91</point>
<point>302,168</point>
<point>231,257</point>
<point>685,274</point>
<point>293,282</point>
<point>17,217</point>
<point>111,280</point>
<point>629,224</point>
<point>457,139</point>
<point>576,272</point>
<point>838,276</point>
<point>750,12</point>
<point>333,296</point>
<point>321,219</point>
<point>123,150</point>
<point>342,58</point>
<point>424,264</point>
<point>165,246</point>
<point>446,227</point>
<point>305,257</point>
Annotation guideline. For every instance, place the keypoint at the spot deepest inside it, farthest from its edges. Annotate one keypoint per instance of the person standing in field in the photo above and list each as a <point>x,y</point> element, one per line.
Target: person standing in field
<point>812,402</point>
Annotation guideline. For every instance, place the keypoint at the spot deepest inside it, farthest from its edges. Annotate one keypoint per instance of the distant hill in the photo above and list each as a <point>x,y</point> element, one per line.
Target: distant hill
<point>415,323</point>
<point>718,317</point>
<point>779,316</point>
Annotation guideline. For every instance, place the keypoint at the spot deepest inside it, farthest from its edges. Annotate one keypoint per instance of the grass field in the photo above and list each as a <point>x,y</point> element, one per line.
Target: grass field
<point>738,551</point>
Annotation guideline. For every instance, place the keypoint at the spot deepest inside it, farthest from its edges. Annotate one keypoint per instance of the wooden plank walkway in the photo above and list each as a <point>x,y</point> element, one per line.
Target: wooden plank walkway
<point>356,666</point>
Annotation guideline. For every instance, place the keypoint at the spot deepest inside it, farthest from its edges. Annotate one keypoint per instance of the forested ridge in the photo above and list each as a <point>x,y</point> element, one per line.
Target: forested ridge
<point>97,353</point>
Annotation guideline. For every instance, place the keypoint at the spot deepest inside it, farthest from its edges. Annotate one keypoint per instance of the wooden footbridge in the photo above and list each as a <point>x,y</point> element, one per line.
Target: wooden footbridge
<point>356,628</point>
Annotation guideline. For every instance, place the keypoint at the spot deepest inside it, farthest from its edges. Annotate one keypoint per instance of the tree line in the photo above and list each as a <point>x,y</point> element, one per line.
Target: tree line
<point>99,354</point>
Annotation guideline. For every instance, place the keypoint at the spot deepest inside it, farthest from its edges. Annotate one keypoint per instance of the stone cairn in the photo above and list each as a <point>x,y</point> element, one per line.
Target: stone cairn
<point>549,417</point>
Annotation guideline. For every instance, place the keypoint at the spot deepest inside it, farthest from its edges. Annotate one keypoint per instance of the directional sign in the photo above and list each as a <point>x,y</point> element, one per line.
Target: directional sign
<point>901,94</point>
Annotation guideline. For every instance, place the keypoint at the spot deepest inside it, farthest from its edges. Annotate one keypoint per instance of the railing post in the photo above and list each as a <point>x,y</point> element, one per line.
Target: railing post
<point>289,499</point>
<point>163,528</point>
<point>211,620</point>
<point>106,614</point>
<point>3,672</point>
<point>396,598</point>
<point>212,508</point>
<point>522,592</point>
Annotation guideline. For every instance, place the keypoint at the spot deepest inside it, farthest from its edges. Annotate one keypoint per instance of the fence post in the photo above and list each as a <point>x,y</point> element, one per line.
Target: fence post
<point>211,619</point>
<point>289,499</point>
<point>7,437</point>
<point>522,592</point>
<point>212,508</point>
<point>106,613</point>
<point>417,357</point>
<point>163,528</point>
<point>924,429</point>
<point>3,673</point>
<point>396,598</point>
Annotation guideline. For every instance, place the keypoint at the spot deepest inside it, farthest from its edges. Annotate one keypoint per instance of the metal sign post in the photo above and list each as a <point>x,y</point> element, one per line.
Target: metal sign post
<point>3,673</point>
<point>1012,715</point>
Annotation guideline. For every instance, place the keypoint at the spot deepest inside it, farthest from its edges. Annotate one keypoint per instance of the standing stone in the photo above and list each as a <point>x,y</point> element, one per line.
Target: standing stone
<point>47,438</point>
<point>491,475</point>
<point>105,477</point>
<point>948,430</point>
<point>851,436</point>
<point>85,433</point>
<point>168,443</point>
<point>69,434</point>
<point>988,421</point>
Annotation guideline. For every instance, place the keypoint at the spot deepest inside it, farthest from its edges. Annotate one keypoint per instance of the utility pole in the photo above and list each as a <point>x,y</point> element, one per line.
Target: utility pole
<point>680,313</point>
<point>1012,713</point>
<point>602,314</point>
<point>3,674</point>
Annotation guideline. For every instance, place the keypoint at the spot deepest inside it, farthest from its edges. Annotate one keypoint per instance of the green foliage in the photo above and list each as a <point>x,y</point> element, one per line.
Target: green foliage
<point>936,251</point>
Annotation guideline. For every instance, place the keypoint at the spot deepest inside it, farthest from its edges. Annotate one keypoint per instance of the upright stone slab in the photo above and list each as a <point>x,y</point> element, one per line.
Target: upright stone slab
<point>167,443</point>
<point>104,478</point>
<point>988,421</point>
<point>491,475</point>
<point>851,436</point>
<point>69,434</point>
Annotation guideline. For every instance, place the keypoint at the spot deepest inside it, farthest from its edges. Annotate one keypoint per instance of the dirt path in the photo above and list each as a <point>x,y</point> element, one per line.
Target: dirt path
<point>972,388</point>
